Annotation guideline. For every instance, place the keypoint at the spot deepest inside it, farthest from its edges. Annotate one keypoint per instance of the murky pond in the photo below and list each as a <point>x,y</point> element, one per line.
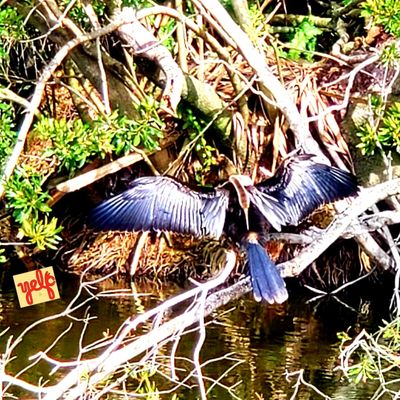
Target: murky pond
<point>251,351</point>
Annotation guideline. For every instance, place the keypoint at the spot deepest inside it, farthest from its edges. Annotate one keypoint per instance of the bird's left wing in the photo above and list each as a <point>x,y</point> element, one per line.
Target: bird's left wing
<point>161,203</point>
<point>298,187</point>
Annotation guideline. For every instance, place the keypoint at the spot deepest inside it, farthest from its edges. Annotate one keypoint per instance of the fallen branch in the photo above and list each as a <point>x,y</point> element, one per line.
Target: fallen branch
<point>88,178</point>
<point>367,223</point>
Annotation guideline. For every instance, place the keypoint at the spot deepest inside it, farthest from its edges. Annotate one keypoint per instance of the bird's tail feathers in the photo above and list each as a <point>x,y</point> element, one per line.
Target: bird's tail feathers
<point>265,278</point>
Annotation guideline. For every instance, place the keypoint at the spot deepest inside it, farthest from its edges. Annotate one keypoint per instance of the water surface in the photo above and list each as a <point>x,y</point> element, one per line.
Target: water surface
<point>255,350</point>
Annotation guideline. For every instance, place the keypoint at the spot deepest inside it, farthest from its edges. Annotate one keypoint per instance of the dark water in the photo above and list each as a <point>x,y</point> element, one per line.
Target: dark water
<point>263,343</point>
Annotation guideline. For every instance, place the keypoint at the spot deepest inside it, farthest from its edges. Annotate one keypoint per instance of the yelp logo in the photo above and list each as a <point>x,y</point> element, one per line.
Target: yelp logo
<point>36,287</point>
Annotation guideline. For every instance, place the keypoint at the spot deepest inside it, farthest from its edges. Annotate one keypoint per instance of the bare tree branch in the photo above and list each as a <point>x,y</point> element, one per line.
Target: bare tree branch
<point>111,359</point>
<point>144,44</point>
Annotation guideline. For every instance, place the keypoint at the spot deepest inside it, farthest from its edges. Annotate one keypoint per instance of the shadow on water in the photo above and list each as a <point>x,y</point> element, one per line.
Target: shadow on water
<point>263,343</point>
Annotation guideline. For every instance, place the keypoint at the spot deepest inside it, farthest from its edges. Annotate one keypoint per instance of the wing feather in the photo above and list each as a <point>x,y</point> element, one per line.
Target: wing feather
<point>298,187</point>
<point>161,203</point>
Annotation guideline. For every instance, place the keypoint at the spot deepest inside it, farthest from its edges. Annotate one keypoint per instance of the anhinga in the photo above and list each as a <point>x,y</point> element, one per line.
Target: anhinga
<point>241,209</point>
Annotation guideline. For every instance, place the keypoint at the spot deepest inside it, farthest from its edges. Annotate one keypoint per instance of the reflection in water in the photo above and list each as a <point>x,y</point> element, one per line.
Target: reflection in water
<point>264,342</point>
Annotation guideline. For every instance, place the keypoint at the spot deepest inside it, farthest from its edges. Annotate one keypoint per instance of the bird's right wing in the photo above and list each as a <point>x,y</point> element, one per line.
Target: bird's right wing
<point>161,203</point>
<point>298,187</point>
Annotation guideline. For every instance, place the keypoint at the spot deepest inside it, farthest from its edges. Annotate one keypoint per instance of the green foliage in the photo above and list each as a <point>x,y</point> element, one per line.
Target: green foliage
<point>71,141</point>
<point>390,55</point>
<point>383,12</point>
<point>372,357</point>
<point>138,4</point>
<point>26,196</point>
<point>165,33</point>
<point>258,27</point>
<point>24,192</point>
<point>28,202</point>
<point>11,30</point>
<point>227,4</point>
<point>383,132</point>
<point>75,143</point>
<point>389,132</point>
<point>147,388</point>
<point>363,370</point>
<point>11,24</point>
<point>42,233</point>
<point>195,127</point>
<point>304,41</point>
<point>3,258</point>
<point>368,139</point>
<point>145,131</point>
<point>78,14</point>
<point>8,134</point>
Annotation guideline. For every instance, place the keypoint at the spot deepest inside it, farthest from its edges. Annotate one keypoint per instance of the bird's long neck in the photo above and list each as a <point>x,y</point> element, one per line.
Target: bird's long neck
<point>240,182</point>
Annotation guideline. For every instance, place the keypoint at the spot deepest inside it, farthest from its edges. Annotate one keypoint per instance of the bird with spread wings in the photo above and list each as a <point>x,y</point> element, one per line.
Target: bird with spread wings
<point>239,208</point>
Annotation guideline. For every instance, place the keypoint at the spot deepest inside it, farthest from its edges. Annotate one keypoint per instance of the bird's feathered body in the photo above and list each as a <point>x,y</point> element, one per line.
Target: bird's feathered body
<point>238,208</point>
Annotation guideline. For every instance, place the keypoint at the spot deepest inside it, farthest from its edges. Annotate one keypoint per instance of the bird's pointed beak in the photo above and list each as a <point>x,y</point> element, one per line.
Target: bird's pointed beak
<point>246,215</point>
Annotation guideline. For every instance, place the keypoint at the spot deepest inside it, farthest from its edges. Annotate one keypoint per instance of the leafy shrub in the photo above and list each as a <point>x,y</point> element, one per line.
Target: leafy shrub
<point>8,134</point>
<point>11,30</point>
<point>75,143</point>
<point>383,12</point>
<point>28,203</point>
<point>304,41</point>
<point>26,196</point>
<point>42,232</point>
<point>384,131</point>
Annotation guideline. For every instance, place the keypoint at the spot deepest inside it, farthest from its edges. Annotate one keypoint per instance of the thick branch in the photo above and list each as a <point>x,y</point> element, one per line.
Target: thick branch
<point>368,223</point>
<point>144,44</point>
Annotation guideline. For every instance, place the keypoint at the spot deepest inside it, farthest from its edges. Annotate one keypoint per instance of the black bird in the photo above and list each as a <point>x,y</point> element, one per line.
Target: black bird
<point>239,208</point>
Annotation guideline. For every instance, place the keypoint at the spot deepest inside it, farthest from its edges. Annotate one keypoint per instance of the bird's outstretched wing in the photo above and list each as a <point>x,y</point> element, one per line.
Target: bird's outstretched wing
<point>160,203</point>
<point>298,187</point>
